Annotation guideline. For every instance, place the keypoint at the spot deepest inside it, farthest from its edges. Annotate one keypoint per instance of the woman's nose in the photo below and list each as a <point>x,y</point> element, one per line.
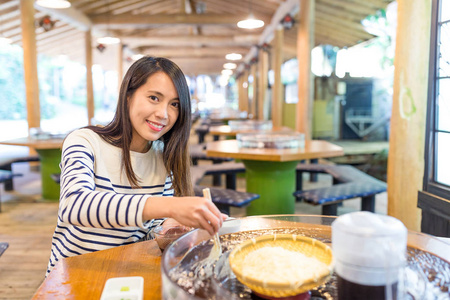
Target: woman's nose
<point>161,111</point>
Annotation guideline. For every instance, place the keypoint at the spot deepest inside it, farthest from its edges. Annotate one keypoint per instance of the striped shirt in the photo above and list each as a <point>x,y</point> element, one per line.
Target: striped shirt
<point>98,209</point>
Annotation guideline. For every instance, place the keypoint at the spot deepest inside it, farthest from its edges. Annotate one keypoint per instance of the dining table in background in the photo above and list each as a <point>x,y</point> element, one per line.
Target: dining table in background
<point>271,172</point>
<point>49,151</point>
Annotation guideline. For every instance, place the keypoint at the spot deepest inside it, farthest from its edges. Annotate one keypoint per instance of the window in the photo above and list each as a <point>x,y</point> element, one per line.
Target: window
<point>435,197</point>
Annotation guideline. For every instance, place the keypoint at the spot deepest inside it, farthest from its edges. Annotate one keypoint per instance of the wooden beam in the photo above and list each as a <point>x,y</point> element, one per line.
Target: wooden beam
<point>168,19</point>
<point>69,15</point>
<point>263,70</point>
<point>305,42</point>
<point>192,51</point>
<point>177,41</point>
<point>30,64</point>
<point>253,111</point>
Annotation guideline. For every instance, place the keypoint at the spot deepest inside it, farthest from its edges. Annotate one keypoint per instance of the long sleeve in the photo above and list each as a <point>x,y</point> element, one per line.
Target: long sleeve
<point>98,207</point>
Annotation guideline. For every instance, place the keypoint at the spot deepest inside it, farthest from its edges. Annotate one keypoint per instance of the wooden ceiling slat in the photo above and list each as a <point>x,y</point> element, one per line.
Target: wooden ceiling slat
<point>162,24</point>
<point>157,8</point>
<point>358,28</point>
<point>344,5</point>
<point>340,13</point>
<point>4,5</point>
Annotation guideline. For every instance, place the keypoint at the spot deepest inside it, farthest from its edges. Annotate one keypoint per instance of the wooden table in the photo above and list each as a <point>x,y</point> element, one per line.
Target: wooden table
<point>84,276</point>
<point>271,172</point>
<point>49,151</point>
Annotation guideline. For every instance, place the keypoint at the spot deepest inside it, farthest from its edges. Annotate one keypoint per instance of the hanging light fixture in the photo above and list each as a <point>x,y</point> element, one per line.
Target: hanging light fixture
<point>233,56</point>
<point>251,22</point>
<point>108,39</point>
<point>58,4</point>
<point>229,66</point>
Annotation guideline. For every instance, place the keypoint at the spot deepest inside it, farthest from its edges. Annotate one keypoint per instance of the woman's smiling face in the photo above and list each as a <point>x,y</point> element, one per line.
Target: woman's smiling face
<point>154,108</point>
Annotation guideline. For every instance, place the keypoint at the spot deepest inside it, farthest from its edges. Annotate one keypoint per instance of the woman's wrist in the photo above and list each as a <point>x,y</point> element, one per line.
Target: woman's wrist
<point>157,208</point>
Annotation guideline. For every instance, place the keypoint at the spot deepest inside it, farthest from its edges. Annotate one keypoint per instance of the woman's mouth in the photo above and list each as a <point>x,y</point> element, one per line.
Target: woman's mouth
<point>155,126</point>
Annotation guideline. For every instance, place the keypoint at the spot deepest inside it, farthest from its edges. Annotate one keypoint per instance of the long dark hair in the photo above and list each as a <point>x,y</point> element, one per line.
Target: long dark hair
<point>119,131</point>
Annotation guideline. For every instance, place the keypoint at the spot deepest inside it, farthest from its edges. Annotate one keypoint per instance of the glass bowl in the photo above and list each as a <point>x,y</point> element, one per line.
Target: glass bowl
<point>166,235</point>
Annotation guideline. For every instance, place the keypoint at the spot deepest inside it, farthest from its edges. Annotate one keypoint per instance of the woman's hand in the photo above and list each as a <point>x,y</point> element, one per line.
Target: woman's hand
<point>197,212</point>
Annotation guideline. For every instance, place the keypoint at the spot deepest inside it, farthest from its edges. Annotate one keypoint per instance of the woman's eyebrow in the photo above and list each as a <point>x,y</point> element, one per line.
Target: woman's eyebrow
<point>159,94</point>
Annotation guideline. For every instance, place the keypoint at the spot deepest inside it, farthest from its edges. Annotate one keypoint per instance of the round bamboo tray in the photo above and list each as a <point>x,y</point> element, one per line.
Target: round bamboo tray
<point>307,246</point>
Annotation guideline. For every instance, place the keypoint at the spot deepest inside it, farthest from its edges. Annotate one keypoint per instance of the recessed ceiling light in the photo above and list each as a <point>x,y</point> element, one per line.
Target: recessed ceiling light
<point>108,40</point>
<point>53,3</point>
<point>250,23</point>
<point>229,66</point>
<point>233,56</point>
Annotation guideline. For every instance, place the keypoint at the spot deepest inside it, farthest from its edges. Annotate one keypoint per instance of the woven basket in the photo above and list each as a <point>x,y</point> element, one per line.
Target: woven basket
<point>305,245</point>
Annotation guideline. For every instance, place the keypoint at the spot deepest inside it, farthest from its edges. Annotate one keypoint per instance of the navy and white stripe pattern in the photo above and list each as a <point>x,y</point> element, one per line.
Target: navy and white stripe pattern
<point>98,208</point>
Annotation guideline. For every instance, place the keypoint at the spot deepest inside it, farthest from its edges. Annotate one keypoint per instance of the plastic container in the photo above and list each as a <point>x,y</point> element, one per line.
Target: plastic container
<point>245,125</point>
<point>273,140</point>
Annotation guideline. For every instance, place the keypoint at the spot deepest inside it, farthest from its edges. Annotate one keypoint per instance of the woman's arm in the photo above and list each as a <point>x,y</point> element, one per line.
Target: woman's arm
<point>197,212</point>
<point>80,203</point>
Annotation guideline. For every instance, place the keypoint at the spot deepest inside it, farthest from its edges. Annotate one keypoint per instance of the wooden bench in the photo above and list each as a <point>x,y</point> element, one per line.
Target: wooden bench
<point>348,183</point>
<point>224,198</point>
<point>229,169</point>
<point>6,164</point>
<point>198,152</point>
<point>6,176</point>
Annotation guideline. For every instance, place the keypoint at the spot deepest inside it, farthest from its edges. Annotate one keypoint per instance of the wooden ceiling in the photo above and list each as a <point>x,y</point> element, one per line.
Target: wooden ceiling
<point>196,34</point>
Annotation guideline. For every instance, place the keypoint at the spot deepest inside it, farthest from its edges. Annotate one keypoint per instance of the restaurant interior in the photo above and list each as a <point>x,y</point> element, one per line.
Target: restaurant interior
<point>310,118</point>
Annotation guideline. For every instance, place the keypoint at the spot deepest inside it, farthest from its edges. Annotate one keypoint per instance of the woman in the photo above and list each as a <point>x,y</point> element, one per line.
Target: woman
<point>116,179</point>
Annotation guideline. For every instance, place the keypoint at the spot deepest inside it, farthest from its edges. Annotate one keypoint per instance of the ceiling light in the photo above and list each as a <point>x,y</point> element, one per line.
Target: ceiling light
<point>229,66</point>
<point>250,23</point>
<point>53,3</point>
<point>233,56</point>
<point>108,40</point>
<point>227,72</point>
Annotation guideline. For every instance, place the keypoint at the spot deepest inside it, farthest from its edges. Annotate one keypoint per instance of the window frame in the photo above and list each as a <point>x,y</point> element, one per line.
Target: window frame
<point>434,199</point>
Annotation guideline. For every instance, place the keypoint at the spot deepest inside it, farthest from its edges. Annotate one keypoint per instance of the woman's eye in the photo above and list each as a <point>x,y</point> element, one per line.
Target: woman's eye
<point>154,98</point>
<point>176,104</point>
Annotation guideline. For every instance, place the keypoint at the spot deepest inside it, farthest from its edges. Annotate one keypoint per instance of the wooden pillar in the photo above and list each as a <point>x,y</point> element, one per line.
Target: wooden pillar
<point>30,63</point>
<point>305,43</point>
<point>119,66</point>
<point>89,85</point>
<point>245,100</point>
<point>241,91</point>
<point>263,69</point>
<point>407,136</point>
<point>277,88</point>
<point>255,91</point>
